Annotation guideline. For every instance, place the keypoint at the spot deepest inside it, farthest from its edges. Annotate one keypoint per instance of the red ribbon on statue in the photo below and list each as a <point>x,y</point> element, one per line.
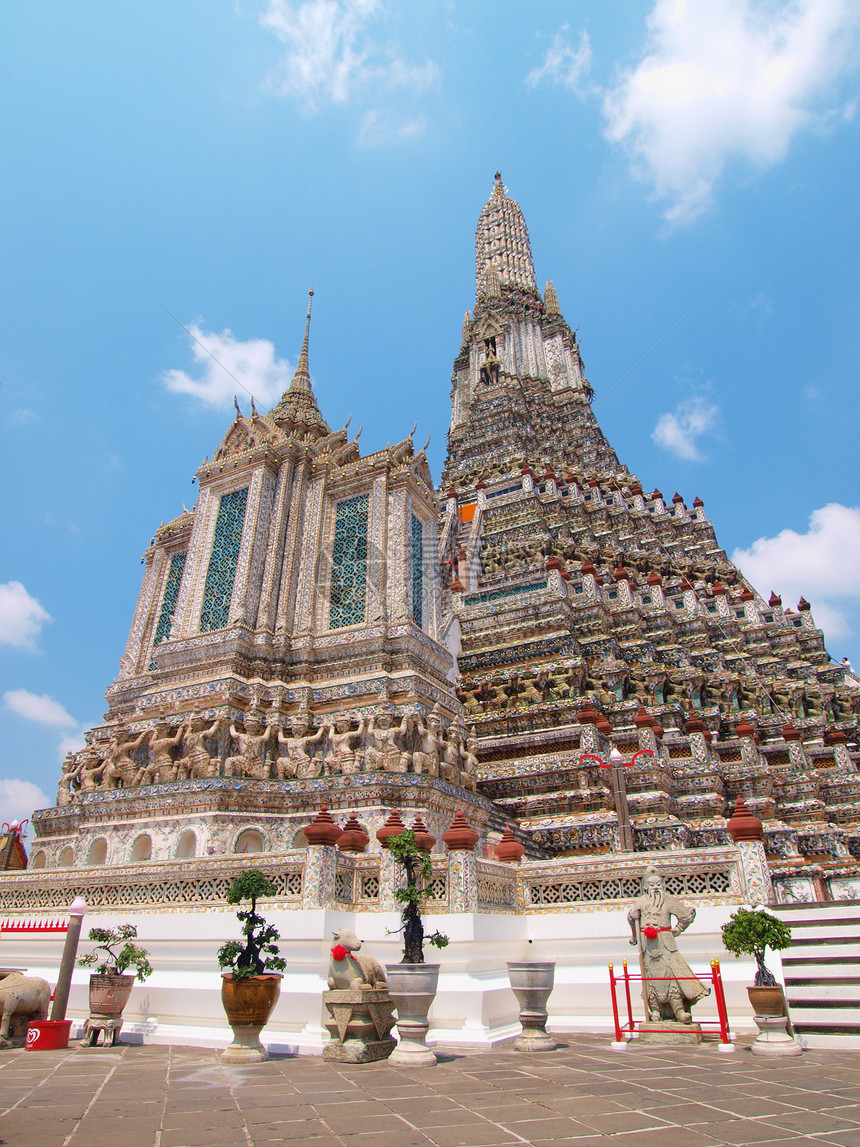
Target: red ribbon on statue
<point>651,933</point>
<point>339,952</point>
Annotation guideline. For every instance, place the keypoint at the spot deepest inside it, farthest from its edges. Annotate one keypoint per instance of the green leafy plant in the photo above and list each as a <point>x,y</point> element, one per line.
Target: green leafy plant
<point>259,953</point>
<point>418,869</point>
<point>749,932</point>
<point>115,963</point>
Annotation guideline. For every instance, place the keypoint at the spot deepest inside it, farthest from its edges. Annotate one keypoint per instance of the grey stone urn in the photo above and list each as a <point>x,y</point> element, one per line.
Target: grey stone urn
<point>773,1040</point>
<point>412,988</point>
<point>532,983</point>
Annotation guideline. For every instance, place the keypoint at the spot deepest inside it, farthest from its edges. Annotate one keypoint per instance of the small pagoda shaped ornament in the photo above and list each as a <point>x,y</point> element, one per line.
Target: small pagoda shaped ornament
<point>322,829</point>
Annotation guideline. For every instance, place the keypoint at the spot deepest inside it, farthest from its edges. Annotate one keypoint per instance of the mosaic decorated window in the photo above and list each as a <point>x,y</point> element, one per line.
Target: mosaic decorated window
<point>417,571</point>
<point>349,563</point>
<point>171,596</point>
<point>222,563</point>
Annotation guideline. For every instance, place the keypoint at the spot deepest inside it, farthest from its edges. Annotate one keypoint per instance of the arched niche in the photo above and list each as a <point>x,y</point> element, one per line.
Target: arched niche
<point>98,852</point>
<point>186,846</point>
<point>67,858</point>
<point>299,840</point>
<point>38,859</point>
<point>249,840</point>
<point>141,849</point>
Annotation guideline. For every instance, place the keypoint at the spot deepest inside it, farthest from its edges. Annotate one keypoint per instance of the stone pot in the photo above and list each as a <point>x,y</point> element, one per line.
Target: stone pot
<point>532,983</point>
<point>109,994</point>
<point>413,989</point>
<point>248,1004</point>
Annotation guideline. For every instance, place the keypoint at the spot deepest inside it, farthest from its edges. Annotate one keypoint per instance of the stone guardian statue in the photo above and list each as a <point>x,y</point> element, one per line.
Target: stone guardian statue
<point>669,989</point>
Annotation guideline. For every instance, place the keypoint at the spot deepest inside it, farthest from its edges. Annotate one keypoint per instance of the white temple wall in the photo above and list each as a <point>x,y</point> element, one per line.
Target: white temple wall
<point>180,1003</point>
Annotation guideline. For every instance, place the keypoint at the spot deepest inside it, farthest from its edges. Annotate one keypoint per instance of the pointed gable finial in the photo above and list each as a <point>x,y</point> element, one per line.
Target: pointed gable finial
<point>551,299</point>
<point>498,189</point>
<point>302,375</point>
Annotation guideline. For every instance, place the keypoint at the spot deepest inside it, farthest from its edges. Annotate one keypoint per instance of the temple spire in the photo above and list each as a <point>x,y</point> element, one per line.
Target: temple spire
<point>502,246</point>
<point>302,377</point>
<point>298,408</point>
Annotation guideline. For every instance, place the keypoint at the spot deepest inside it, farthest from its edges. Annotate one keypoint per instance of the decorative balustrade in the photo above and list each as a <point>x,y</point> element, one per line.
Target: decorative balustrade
<point>356,882</point>
<point>189,883</point>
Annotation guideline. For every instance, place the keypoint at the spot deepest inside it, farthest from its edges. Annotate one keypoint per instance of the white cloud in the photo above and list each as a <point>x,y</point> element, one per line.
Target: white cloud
<point>72,743</point>
<point>22,416</point>
<point>723,81</point>
<point>379,128</point>
<point>21,616</point>
<point>38,707</point>
<point>19,798</point>
<point>564,64</point>
<point>679,431</point>
<point>329,54</point>
<point>823,565</point>
<point>253,363</point>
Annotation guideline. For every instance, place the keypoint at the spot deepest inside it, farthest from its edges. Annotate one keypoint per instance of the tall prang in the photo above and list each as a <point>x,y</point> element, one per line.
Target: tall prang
<point>587,614</point>
<point>285,653</point>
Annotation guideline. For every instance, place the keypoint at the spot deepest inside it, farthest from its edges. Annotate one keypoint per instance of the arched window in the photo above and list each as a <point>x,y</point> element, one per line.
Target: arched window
<point>249,840</point>
<point>299,840</point>
<point>39,860</point>
<point>98,852</point>
<point>67,858</point>
<point>142,849</point>
<point>187,845</point>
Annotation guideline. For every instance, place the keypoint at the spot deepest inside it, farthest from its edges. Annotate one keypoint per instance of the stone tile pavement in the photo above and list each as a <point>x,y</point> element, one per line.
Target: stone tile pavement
<point>582,1094</point>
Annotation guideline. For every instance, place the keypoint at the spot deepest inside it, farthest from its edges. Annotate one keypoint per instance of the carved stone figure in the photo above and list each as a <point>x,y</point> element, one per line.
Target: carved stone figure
<point>249,761</point>
<point>674,989</point>
<point>120,770</point>
<point>343,758</point>
<point>360,1009</point>
<point>384,748</point>
<point>90,769</point>
<point>197,763</point>
<point>65,789</point>
<point>349,969</point>
<point>162,767</point>
<point>453,752</point>
<point>22,1000</point>
<point>298,762</point>
<point>425,759</point>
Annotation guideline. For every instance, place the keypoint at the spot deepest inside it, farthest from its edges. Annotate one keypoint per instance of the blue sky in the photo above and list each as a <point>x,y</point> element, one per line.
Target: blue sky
<point>217,159</point>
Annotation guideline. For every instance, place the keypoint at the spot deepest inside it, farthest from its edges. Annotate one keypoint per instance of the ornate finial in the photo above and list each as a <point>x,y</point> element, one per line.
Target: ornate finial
<point>302,374</point>
<point>498,189</point>
<point>238,412</point>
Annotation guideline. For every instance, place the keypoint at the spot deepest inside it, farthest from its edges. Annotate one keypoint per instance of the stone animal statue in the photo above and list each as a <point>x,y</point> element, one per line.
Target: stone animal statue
<point>22,999</point>
<point>347,969</point>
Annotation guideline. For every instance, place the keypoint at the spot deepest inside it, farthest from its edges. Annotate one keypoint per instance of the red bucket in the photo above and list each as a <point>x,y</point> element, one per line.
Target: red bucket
<point>48,1035</point>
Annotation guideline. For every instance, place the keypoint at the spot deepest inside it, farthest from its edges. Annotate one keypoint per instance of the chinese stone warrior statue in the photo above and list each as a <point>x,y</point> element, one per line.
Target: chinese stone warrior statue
<point>670,989</point>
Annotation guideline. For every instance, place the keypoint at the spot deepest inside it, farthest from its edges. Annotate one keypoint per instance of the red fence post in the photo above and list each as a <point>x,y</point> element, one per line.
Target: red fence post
<point>619,1038</point>
<point>629,1003</point>
<point>720,996</point>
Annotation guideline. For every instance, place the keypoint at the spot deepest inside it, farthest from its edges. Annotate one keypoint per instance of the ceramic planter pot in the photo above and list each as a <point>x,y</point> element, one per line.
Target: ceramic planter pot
<point>248,1004</point>
<point>767,1001</point>
<point>109,994</point>
<point>532,983</point>
<point>413,989</point>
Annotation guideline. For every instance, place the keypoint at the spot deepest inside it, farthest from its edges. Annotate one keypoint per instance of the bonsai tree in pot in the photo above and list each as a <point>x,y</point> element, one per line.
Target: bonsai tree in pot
<point>750,932</point>
<point>114,953</point>
<point>252,983</point>
<point>418,870</point>
<point>412,983</point>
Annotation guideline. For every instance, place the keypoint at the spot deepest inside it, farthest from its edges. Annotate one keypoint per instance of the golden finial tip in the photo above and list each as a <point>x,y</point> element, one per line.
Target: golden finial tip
<point>311,292</point>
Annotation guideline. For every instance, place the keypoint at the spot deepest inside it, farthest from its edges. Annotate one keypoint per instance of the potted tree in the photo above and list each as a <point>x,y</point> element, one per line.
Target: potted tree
<point>115,952</point>
<point>412,982</point>
<point>252,983</point>
<point>750,932</point>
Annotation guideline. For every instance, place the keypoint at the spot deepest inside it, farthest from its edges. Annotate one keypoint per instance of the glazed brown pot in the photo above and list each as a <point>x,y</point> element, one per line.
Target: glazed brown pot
<point>109,994</point>
<point>767,1001</point>
<point>248,1004</point>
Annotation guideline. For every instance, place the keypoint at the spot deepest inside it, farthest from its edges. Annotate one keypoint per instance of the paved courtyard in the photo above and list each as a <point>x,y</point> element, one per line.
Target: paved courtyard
<point>581,1094</point>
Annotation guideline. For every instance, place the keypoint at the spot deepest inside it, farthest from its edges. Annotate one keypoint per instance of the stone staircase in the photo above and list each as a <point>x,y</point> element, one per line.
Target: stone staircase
<point>822,972</point>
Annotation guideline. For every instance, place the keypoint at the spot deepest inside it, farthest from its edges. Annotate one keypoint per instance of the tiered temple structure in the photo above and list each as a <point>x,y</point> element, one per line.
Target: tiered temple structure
<point>322,627</point>
<point>585,603</point>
